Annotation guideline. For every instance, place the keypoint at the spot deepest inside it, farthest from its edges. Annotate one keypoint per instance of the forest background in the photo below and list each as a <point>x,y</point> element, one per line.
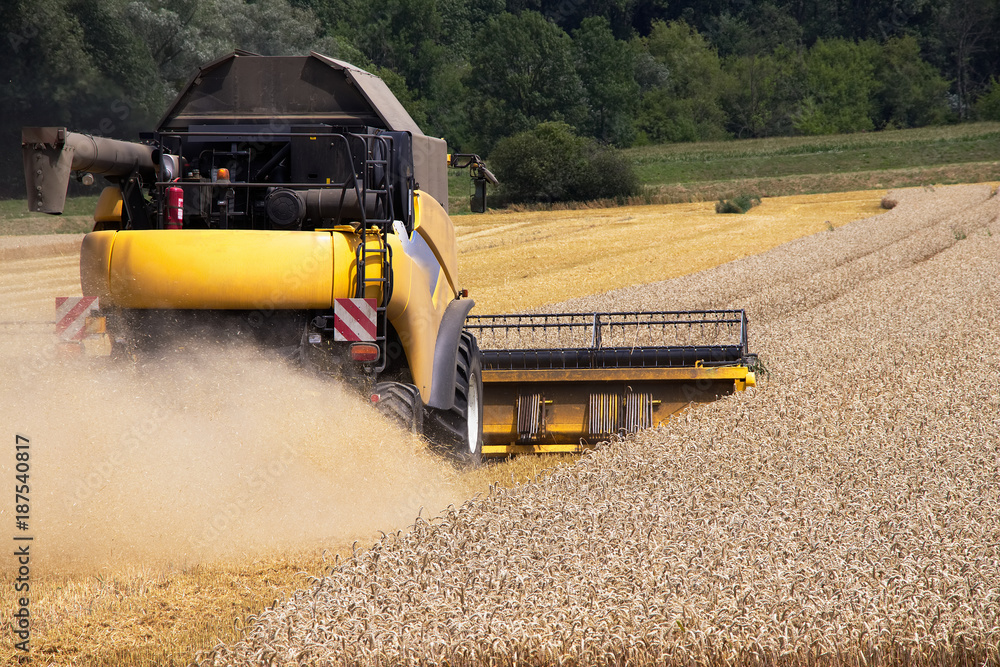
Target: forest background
<point>621,72</point>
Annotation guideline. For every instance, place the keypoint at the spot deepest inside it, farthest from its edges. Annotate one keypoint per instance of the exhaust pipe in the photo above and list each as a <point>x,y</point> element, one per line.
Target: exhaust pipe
<point>51,153</point>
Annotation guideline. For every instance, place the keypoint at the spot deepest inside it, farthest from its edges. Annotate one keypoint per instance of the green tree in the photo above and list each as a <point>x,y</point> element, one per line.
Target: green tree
<point>70,64</point>
<point>66,62</point>
<point>273,28</point>
<point>522,74</point>
<point>403,35</point>
<point>840,88</point>
<point>606,68</point>
<point>447,105</point>
<point>822,19</point>
<point>551,163</point>
<point>912,91</point>
<point>119,53</point>
<point>687,106</point>
<point>966,26</point>
<point>764,92</point>
<point>624,16</point>
<point>758,29</point>
<point>988,104</point>
<point>425,42</point>
<point>461,21</point>
<point>182,35</point>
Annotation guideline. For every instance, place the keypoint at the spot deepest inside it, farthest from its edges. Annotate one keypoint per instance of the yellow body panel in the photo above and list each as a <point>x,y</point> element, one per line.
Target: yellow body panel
<point>215,269</point>
<point>414,316</point>
<point>421,290</point>
<point>109,206</point>
<point>433,224</point>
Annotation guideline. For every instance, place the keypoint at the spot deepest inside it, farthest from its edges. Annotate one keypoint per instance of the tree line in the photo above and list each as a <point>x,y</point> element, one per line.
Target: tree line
<point>619,72</point>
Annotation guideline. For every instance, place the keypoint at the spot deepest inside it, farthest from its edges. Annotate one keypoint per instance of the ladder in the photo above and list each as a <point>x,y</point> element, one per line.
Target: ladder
<point>374,247</point>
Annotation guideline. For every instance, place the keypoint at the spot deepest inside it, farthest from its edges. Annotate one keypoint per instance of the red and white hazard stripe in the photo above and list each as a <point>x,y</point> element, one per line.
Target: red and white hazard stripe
<point>71,315</point>
<point>354,320</point>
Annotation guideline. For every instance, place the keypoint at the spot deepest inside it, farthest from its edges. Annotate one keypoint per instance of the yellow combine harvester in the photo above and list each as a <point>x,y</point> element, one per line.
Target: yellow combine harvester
<point>293,202</point>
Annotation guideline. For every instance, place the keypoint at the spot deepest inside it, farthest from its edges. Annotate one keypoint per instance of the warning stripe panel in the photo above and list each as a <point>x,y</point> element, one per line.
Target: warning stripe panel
<point>71,315</point>
<point>354,320</point>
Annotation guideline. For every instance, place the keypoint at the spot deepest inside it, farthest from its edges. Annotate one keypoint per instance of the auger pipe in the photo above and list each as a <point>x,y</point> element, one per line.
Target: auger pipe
<point>52,153</point>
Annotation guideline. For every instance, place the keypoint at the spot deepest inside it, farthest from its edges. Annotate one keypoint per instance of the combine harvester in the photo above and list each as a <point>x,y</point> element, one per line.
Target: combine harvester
<point>293,202</point>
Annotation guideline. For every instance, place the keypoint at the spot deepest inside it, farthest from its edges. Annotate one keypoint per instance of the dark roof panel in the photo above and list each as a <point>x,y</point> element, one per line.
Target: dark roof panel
<point>314,88</point>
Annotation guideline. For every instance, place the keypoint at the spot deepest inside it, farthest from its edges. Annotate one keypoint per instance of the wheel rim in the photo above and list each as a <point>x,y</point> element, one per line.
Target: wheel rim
<point>473,415</point>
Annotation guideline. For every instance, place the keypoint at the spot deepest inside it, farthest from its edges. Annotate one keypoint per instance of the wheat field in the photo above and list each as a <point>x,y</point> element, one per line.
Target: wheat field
<point>845,512</point>
<point>511,261</point>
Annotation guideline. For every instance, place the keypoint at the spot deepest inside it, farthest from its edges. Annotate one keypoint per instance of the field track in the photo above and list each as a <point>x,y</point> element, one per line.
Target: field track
<point>847,512</point>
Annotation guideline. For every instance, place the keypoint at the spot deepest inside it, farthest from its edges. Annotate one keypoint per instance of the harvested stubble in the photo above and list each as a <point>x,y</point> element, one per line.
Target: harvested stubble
<point>847,512</point>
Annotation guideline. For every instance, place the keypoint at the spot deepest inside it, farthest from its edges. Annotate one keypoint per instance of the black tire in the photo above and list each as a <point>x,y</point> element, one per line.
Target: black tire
<point>459,431</point>
<point>401,403</point>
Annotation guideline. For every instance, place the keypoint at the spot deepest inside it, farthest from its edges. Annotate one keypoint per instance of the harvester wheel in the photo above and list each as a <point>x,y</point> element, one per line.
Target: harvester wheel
<point>401,403</point>
<point>460,429</point>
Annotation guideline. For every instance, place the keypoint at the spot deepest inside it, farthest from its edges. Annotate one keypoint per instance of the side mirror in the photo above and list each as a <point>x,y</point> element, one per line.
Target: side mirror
<point>478,200</point>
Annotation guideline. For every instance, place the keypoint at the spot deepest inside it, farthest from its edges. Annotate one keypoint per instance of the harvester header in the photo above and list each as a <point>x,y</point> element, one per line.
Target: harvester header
<point>559,382</point>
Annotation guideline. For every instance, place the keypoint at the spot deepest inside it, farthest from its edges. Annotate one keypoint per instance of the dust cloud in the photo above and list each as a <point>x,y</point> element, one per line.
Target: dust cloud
<point>208,453</point>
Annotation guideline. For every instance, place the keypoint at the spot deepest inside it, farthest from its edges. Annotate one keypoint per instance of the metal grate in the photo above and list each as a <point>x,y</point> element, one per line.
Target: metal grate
<point>611,340</point>
<point>638,411</point>
<point>530,422</point>
<point>603,414</point>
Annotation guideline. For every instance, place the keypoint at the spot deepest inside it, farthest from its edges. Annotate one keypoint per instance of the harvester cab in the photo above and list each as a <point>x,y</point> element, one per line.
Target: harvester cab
<point>293,202</point>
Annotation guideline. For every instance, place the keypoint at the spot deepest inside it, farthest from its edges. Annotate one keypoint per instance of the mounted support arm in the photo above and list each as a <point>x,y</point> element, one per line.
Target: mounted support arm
<point>480,176</point>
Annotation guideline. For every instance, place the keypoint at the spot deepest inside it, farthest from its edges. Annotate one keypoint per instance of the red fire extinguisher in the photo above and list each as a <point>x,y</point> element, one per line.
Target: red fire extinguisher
<point>175,208</point>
